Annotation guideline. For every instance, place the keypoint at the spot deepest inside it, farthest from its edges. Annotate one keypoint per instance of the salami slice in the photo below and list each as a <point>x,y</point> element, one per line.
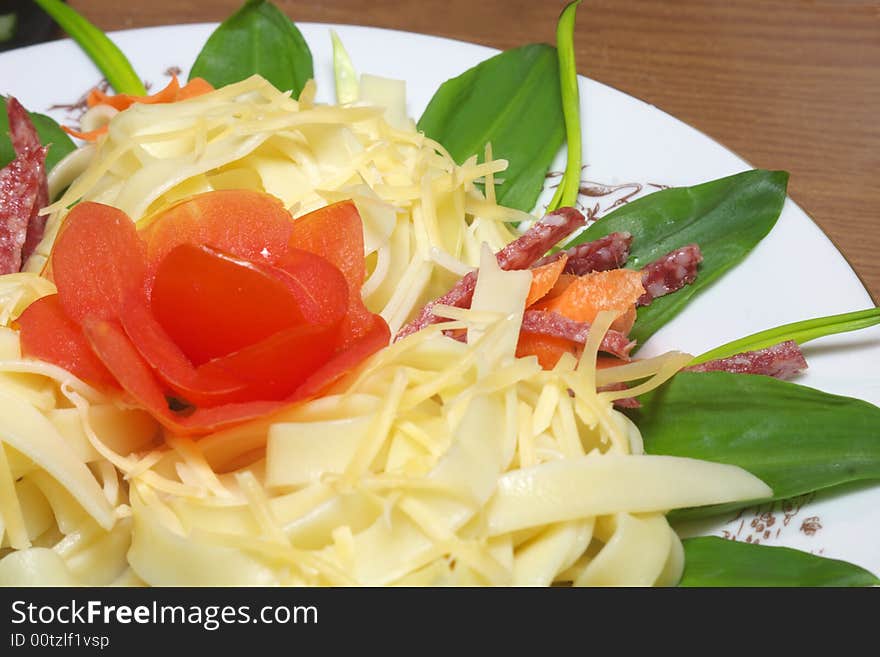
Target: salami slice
<point>529,247</point>
<point>26,142</point>
<point>22,133</point>
<point>19,188</point>
<point>670,273</point>
<point>556,325</point>
<point>519,254</point>
<point>609,252</point>
<point>782,361</point>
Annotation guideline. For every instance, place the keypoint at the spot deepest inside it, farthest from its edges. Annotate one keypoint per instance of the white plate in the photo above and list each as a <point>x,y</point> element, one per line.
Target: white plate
<point>795,273</point>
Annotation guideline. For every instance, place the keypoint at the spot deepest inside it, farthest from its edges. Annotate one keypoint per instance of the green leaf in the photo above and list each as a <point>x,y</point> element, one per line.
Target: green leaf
<point>257,39</point>
<point>569,188</point>
<point>800,332</point>
<point>8,23</point>
<point>50,135</point>
<point>796,439</point>
<point>511,100</point>
<point>725,217</point>
<point>97,45</point>
<point>715,562</point>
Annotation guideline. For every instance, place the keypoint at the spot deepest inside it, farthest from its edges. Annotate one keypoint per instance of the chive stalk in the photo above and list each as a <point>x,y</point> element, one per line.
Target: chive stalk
<point>98,46</point>
<point>568,189</point>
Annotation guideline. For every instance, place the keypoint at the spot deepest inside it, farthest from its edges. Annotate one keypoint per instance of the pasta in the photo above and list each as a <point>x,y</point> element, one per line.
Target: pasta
<point>443,462</point>
<point>436,462</point>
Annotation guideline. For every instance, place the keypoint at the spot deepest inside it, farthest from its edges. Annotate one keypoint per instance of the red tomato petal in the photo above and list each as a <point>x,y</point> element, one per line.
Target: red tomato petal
<point>377,337</point>
<point>208,420</point>
<point>275,367</point>
<point>169,362</point>
<point>48,334</point>
<point>116,351</point>
<point>357,324</point>
<point>245,224</point>
<point>319,287</point>
<point>212,305</point>
<point>335,233</point>
<point>98,259</point>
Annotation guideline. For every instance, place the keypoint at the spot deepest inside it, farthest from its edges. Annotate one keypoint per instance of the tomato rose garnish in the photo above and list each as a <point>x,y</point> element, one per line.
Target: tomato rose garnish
<point>222,310</point>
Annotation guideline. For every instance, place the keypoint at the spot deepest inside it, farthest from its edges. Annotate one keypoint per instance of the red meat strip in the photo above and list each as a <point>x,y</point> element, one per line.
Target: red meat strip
<point>21,130</point>
<point>782,361</point>
<point>670,273</point>
<point>519,254</point>
<point>526,249</point>
<point>19,188</point>
<point>459,296</point>
<point>609,252</point>
<point>551,323</point>
<point>26,143</point>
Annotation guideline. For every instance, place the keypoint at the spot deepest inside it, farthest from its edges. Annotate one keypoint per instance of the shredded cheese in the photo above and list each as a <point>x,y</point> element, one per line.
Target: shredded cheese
<point>437,462</point>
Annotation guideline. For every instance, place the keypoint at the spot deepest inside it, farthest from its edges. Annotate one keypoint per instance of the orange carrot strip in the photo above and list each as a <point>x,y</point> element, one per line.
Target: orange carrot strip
<point>124,101</point>
<point>195,87</point>
<point>548,348</point>
<point>544,278</point>
<point>98,97</point>
<point>615,290</point>
<point>560,286</point>
<point>603,362</point>
<point>92,135</point>
<point>171,93</point>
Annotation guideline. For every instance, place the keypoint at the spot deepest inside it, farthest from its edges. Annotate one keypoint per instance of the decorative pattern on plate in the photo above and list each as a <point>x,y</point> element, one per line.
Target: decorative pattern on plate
<point>767,523</point>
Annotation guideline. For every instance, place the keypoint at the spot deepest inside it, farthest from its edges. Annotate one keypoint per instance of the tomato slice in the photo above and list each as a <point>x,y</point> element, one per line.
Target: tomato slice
<point>212,305</point>
<point>336,233</point>
<point>48,334</point>
<point>377,337</point>
<point>318,286</point>
<point>208,420</point>
<point>97,261</point>
<point>274,368</point>
<point>170,364</point>
<point>250,225</point>
<point>111,344</point>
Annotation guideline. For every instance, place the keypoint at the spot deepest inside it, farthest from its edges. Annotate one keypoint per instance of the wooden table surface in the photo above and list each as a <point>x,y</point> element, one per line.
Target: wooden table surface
<point>786,84</point>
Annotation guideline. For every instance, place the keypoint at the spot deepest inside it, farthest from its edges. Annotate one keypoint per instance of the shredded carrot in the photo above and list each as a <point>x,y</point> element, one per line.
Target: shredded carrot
<point>124,101</point>
<point>195,87</point>
<point>578,298</point>
<point>548,348</point>
<point>92,135</point>
<point>544,278</point>
<point>615,290</point>
<point>560,286</point>
<point>603,362</point>
<point>173,92</point>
